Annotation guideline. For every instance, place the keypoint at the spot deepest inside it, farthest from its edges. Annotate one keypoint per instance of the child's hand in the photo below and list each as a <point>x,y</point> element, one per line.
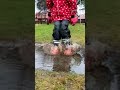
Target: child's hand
<point>74,20</point>
<point>49,20</point>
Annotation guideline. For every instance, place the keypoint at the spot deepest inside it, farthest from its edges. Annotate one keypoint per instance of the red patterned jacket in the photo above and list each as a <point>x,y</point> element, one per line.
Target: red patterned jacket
<point>61,9</point>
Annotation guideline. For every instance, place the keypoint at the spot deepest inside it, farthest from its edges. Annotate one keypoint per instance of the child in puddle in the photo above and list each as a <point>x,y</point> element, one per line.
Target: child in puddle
<point>61,13</point>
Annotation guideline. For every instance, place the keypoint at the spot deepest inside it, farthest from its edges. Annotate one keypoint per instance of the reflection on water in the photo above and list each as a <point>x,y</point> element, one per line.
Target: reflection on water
<point>59,63</point>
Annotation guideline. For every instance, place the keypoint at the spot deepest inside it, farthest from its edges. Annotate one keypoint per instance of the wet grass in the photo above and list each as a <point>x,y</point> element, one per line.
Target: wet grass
<point>45,80</point>
<point>43,33</point>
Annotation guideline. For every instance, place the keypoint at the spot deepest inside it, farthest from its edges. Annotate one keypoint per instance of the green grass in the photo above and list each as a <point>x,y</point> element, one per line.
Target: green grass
<point>45,80</point>
<point>43,33</point>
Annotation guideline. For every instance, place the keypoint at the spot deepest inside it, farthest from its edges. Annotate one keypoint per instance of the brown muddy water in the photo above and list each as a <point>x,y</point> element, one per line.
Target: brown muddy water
<point>58,63</point>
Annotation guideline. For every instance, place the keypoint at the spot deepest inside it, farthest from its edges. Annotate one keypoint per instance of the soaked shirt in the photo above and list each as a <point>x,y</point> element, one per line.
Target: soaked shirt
<point>61,9</point>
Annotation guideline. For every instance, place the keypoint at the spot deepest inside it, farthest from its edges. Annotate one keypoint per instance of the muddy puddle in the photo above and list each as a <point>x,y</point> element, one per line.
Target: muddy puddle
<point>15,73</point>
<point>63,63</point>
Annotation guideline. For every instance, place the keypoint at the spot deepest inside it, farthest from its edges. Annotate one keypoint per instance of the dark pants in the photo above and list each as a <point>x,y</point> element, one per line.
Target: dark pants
<point>61,30</point>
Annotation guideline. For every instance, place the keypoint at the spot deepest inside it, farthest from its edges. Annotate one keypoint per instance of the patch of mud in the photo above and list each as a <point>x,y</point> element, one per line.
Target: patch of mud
<point>75,63</point>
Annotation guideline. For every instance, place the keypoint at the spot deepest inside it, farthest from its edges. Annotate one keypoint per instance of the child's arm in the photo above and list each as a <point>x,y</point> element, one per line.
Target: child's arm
<point>49,4</point>
<point>73,5</point>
